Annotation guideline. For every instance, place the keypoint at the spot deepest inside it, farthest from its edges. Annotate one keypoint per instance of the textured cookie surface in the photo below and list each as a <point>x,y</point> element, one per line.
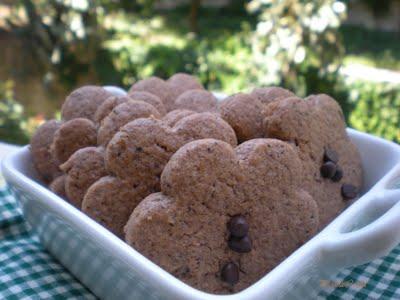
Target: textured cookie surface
<point>174,116</point>
<point>107,106</point>
<point>45,164</point>
<point>197,100</point>
<point>316,126</point>
<point>155,86</point>
<point>57,186</point>
<point>110,201</point>
<point>83,102</point>
<point>246,112</point>
<point>206,184</point>
<point>83,168</point>
<point>72,136</point>
<point>121,115</point>
<point>151,99</point>
<point>182,82</point>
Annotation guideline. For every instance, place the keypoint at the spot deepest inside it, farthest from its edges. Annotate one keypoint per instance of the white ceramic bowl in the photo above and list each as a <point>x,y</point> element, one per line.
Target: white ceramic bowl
<point>111,269</point>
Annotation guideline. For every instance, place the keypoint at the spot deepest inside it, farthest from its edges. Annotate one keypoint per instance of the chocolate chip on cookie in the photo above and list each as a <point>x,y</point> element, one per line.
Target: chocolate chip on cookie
<point>328,169</point>
<point>349,191</point>
<point>230,273</point>
<point>238,226</point>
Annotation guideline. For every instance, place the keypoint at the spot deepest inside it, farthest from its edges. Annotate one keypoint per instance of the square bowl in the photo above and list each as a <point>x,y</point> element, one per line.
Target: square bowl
<point>366,230</point>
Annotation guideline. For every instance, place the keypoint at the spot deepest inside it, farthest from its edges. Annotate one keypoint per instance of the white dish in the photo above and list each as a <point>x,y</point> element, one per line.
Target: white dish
<point>111,269</point>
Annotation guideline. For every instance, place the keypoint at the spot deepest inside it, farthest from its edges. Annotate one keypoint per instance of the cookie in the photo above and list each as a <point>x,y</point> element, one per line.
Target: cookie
<point>225,217</point>
<point>267,95</point>
<point>57,186</point>
<point>155,86</point>
<point>122,114</point>
<point>107,106</point>
<point>43,161</point>
<point>174,116</point>
<point>331,161</point>
<point>140,150</point>
<point>137,155</point>
<point>83,102</point>
<point>83,168</point>
<point>197,100</point>
<point>110,202</point>
<point>245,114</point>
<point>151,99</point>
<point>72,136</point>
<point>182,82</point>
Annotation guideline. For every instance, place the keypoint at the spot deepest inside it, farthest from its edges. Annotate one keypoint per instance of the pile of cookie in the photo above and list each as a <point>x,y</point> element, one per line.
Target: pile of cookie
<point>216,193</point>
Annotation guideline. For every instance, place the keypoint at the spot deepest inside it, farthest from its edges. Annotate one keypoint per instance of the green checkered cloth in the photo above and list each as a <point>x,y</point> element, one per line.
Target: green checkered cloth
<point>27,271</point>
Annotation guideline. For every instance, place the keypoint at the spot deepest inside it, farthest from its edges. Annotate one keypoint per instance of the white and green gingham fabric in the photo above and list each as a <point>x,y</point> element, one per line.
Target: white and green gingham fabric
<point>27,271</point>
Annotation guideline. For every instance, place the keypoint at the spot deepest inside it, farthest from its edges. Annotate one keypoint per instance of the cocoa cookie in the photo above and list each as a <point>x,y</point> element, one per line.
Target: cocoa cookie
<point>57,186</point>
<point>45,165</point>
<point>225,217</point>
<point>174,116</point>
<point>107,106</point>
<point>332,163</point>
<point>267,95</point>
<point>122,114</point>
<point>83,102</point>
<point>151,99</point>
<point>245,112</point>
<point>182,82</point>
<point>197,100</point>
<point>71,136</point>
<point>140,150</point>
<point>83,168</point>
<point>155,86</point>
<point>137,155</point>
<point>110,201</point>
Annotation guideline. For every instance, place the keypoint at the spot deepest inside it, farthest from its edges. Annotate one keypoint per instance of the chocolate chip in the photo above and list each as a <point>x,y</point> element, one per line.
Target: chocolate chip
<point>338,174</point>
<point>328,169</point>
<point>241,245</point>
<point>331,155</point>
<point>349,191</point>
<point>230,273</point>
<point>238,226</point>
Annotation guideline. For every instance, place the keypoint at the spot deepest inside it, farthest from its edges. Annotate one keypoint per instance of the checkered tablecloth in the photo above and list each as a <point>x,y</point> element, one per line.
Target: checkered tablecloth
<point>27,271</point>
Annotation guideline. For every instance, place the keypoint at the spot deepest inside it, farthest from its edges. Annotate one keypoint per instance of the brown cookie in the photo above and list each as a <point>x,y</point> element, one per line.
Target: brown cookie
<point>83,102</point>
<point>137,155</point>
<point>72,136</point>
<point>197,100</point>
<point>225,217</point>
<point>57,186</point>
<point>140,150</point>
<point>245,112</point>
<point>122,114</point>
<point>151,99</point>
<point>330,160</point>
<point>174,116</point>
<point>45,164</point>
<point>83,168</point>
<point>110,202</point>
<point>155,86</point>
<point>267,95</point>
<point>107,106</point>
<point>182,82</point>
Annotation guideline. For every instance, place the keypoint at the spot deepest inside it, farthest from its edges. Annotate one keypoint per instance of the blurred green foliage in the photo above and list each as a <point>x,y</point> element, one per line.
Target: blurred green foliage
<point>297,44</point>
<point>12,118</point>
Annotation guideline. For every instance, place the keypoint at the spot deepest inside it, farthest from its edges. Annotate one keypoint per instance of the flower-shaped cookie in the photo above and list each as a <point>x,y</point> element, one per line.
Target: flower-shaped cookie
<point>225,216</point>
<point>332,163</point>
<point>136,156</point>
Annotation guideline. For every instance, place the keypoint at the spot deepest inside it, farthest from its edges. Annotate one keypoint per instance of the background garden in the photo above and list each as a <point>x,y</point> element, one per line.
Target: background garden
<point>349,49</point>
